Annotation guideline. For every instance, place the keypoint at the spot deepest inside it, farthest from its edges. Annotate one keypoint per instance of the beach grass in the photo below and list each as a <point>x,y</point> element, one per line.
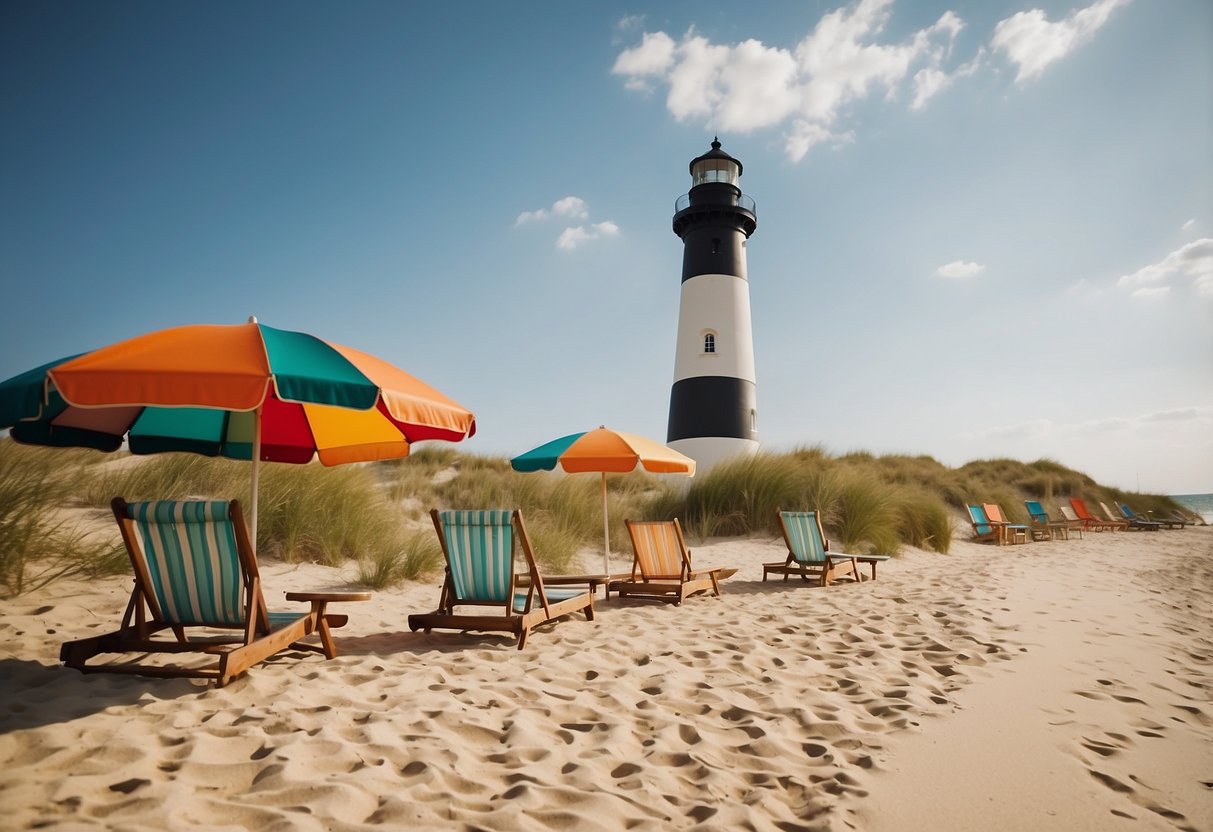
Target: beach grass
<point>376,514</point>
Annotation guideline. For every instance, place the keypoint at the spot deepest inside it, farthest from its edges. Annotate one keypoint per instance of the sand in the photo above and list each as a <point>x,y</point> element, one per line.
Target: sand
<point>1061,685</point>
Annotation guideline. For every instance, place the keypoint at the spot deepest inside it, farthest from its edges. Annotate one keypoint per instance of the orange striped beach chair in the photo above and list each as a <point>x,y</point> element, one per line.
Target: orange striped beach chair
<point>661,565</point>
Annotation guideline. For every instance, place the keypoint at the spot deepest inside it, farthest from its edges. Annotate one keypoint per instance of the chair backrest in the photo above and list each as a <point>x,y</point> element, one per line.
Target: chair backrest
<point>1127,512</point>
<point>994,512</point>
<point>1068,513</point>
<point>802,532</point>
<point>977,516</point>
<point>1036,511</point>
<point>1080,508</point>
<point>1111,514</point>
<point>660,551</point>
<point>479,550</point>
<point>187,554</point>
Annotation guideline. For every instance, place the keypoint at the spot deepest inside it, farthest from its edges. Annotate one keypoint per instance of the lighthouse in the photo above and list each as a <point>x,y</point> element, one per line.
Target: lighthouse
<point>713,406</point>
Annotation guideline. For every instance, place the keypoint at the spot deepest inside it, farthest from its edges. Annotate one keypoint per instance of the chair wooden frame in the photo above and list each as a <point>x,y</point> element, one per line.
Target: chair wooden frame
<point>824,565</point>
<point>1041,523</point>
<point>1011,532</point>
<point>1090,521</point>
<point>649,580</point>
<point>984,529</point>
<point>262,633</point>
<point>540,603</point>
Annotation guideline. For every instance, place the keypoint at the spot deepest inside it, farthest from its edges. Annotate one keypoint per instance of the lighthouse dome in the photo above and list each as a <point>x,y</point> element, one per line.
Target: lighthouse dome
<point>715,166</point>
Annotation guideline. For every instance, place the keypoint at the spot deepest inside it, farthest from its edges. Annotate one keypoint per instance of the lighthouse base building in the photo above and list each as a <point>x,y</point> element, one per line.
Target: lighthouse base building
<point>713,402</point>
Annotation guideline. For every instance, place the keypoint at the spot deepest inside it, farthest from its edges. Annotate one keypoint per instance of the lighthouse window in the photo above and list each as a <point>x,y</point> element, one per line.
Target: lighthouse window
<point>709,343</point>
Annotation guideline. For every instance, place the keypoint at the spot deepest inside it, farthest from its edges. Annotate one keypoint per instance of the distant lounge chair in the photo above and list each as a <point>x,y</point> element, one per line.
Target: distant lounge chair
<point>1012,532</point>
<point>1073,521</point>
<point>1093,522</point>
<point>1186,519</point>
<point>480,548</point>
<point>809,554</point>
<point>1042,523</point>
<point>1132,525</point>
<point>984,531</point>
<point>1134,517</point>
<point>661,565</point>
<point>195,568</point>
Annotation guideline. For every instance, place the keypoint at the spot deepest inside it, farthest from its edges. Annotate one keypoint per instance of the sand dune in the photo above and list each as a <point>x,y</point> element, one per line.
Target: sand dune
<point>1059,685</point>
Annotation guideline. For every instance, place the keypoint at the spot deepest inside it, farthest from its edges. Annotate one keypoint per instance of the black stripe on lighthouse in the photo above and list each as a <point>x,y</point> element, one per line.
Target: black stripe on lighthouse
<point>712,406</point>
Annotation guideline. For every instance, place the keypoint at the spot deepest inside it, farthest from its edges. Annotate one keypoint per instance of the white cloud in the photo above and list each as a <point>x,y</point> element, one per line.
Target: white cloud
<point>1152,293</point>
<point>652,57</point>
<point>570,206</point>
<point>573,237</point>
<point>1031,41</point>
<point>751,86</point>
<point>530,216</point>
<point>808,86</point>
<point>1188,224</point>
<point>959,270</point>
<point>1041,428</point>
<point>1194,261</point>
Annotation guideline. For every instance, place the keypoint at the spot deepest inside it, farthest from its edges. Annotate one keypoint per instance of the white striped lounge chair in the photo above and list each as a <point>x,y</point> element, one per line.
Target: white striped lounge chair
<point>809,554</point>
<point>661,564</point>
<point>481,548</point>
<point>195,568</point>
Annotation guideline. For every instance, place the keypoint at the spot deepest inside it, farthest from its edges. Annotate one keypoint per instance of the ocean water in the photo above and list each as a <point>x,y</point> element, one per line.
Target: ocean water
<point>1202,504</point>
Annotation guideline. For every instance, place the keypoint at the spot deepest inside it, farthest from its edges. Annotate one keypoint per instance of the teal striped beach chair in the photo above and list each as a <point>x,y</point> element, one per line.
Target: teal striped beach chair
<point>480,548</point>
<point>195,568</point>
<point>809,554</point>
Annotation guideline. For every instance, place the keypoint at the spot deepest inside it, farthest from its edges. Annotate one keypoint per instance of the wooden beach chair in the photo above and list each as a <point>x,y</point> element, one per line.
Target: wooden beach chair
<point>809,552</point>
<point>195,569</point>
<point>1090,521</point>
<point>1135,523</point>
<point>984,531</point>
<point>661,565</point>
<point>1011,532</point>
<point>1133,517</point>
<point>1041,522</point>
<point>480,548</point>
<point>1073,522</point>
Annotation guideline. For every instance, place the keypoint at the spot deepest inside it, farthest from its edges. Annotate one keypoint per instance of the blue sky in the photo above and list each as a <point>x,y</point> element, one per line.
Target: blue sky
<point>985,228</point>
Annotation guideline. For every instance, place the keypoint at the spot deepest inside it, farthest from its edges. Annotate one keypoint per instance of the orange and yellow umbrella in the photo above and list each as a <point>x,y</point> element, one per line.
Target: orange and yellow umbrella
<point>245,391</point>
<point>604,451</point>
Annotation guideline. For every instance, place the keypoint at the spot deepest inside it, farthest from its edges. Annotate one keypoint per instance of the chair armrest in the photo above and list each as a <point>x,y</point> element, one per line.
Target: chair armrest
<point>313,597</point>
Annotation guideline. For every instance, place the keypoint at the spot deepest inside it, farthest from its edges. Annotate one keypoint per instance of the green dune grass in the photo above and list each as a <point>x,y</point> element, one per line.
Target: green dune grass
<point>377,514</point>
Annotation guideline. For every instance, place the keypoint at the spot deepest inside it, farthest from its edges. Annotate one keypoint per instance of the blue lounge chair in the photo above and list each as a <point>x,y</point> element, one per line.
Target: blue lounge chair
<point>983,530</point>
<point>1133,517</point>
<point>809,552</point>
<point>480,548</point>
<point>1134,524</point>
<point>1041,522</point>
<point>195,568</point>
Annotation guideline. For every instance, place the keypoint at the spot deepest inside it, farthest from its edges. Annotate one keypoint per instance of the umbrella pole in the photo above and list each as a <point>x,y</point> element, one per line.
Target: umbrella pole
<point>256,472</point>
<point>606,532</point>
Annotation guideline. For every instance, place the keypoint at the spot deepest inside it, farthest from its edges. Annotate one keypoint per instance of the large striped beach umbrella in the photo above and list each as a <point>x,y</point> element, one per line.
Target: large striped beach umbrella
<point>604,451</point>
<point>244,391</point>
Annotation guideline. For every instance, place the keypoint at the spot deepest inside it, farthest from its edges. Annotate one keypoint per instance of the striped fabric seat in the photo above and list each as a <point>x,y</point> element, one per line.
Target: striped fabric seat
<point>661,565</point>
<point>658,549</point>
<point>190,549</point>
<point>195,568</point>
<point>481,549</point>
<point>804,538</point>
<point>809,552</point>
<point>481,553</point>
